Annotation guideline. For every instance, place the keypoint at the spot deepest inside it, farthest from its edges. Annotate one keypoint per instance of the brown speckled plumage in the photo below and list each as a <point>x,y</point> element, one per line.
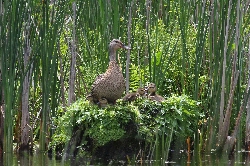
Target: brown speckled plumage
<point>102,103</point>
<point>134,95</point>
<point>111,84</point>
<point>152,93</point>
<point>90,99</point>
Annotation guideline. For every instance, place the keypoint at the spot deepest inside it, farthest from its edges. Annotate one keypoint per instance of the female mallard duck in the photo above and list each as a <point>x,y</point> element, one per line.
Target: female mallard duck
<point>152,93</point>
<point>111,84</point>
<point>134,95</point>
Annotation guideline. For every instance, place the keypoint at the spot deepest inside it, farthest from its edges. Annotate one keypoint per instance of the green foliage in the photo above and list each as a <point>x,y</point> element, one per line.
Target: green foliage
<point>102,125</point>
<point>187,112</point>
<point>136,77</point>
<point>179,112</point>
<point>167,57</point>
<point>114,122</point>
<point>109,124</point>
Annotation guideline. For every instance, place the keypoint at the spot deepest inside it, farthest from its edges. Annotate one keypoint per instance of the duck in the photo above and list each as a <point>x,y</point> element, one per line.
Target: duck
<point>89,98</point>
<point>111,84</point>
<point>103,102</point>
<point>134,95</point>
<point>152,95</point>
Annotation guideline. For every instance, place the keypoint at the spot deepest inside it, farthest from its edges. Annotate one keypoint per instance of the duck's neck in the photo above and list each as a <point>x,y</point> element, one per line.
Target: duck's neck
<point>112,54</point>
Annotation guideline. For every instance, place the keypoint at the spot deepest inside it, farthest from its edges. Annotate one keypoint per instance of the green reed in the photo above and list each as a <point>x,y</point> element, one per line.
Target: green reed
<point>49,64</point>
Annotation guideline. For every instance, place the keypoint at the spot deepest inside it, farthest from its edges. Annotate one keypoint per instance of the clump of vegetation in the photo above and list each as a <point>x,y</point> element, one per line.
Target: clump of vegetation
<point>100,125</point>
<point>125,124</point>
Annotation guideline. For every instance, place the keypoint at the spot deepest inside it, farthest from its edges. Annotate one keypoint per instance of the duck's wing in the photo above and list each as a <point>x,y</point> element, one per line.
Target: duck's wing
<point>130,97</point>
<point>159,98</point>
<point>126,97</point>
<point>97,80</point>
<point>110,85</point>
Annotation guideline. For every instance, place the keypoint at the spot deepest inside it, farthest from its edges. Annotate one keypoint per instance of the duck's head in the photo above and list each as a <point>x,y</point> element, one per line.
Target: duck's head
<point>116,44</point>
<point>89,98</point>
<point>141,91</point>
<point>103,101</point>
<point>151,88</point>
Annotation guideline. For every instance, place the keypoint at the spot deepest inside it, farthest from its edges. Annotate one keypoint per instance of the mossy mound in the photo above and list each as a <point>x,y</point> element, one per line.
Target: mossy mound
<point>121,131</point>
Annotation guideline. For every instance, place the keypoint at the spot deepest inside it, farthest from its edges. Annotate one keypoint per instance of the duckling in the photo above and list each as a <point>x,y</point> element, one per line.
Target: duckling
<point>90,98</point>
<point>110,84</point>
<point>103,102</point>
<point>152,93</point>
<point>141,92</point>
<point>134,95</point>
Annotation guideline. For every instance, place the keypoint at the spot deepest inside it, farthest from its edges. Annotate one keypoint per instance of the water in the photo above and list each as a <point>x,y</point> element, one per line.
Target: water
<point>177,159</point>
<point>39,159</point>
<point>212,159</point>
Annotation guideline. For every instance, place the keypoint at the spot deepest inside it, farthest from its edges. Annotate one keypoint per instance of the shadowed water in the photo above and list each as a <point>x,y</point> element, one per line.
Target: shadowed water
<point>177,159</point>
<point>39,159</point>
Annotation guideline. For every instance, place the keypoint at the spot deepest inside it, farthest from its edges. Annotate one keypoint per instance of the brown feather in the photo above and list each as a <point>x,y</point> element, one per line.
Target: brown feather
<point>152,95</point>
<point>134,95</point>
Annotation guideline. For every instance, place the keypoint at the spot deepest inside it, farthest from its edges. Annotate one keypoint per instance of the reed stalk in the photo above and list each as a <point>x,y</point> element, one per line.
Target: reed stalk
<point>49,64</point>
<point>10,34</point>
<point>129,41</point>
<point>72,74</point>
<point>25,121</point>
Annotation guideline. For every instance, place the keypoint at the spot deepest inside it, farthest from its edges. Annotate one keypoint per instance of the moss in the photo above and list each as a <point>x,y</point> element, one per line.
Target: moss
<point>124,128</point>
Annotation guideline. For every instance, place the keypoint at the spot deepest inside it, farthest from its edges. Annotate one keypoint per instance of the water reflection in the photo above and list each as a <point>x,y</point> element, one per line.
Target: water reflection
<point>181,158</point>
<point>176,159</point>
<point>39,159</point>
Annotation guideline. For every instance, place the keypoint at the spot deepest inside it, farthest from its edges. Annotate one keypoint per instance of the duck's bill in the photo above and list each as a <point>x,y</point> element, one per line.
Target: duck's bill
<point>127,47</point>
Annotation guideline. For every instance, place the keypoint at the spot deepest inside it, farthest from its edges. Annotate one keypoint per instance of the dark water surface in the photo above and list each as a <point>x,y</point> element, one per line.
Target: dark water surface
<point>177,159</point>
<point>212,159</point>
